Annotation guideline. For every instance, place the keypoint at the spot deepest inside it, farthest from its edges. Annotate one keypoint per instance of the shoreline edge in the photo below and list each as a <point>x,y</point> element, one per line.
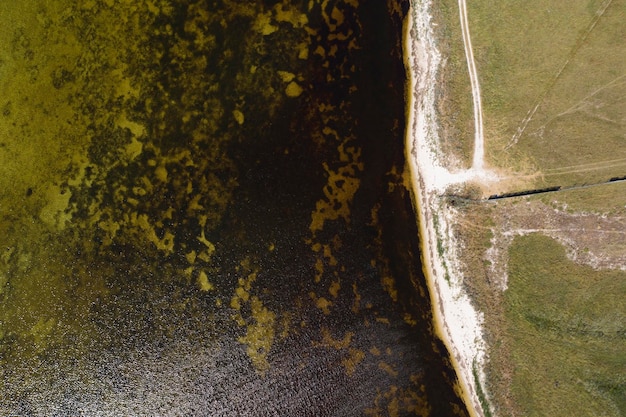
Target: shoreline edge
<point>456,321</point>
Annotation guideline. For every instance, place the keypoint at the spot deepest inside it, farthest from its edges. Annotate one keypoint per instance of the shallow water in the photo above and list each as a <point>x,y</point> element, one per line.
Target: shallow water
<point>203,212</point>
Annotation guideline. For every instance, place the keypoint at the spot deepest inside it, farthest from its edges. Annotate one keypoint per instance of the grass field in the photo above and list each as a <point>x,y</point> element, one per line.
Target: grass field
<point>553,77</point>
<point>606,199</point>
<point>567,328</point>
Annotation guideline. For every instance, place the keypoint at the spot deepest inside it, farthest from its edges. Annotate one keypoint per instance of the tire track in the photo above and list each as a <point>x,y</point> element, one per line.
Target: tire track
<point>479,141</point>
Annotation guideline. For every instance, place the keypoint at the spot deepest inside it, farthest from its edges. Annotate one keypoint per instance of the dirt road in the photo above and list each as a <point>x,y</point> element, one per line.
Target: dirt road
<point>479,142</point>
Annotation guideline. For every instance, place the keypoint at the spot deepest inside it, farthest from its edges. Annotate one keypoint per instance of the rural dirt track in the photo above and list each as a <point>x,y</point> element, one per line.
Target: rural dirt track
<point>479,140</point>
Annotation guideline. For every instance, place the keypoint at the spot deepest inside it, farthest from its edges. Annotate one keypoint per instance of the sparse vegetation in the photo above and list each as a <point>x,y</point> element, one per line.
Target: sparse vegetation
<point>481,394</point>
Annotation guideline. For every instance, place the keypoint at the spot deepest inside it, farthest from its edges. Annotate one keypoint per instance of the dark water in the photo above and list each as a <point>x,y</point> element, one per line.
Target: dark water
<point>204,212</point>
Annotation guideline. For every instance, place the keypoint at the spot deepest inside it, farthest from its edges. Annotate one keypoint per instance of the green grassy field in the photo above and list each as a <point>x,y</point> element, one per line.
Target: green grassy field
<point>566,325</point>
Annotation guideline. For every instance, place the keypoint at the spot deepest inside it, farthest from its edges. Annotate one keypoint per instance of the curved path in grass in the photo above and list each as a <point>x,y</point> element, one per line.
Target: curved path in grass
<point>479,141</point>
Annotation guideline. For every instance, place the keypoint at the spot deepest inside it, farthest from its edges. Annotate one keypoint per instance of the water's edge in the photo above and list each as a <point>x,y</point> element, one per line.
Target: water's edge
<point>456,320</point>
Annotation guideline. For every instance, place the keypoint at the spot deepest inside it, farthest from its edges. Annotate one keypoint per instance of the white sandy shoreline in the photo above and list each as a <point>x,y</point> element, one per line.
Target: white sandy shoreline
<point>456,320</point>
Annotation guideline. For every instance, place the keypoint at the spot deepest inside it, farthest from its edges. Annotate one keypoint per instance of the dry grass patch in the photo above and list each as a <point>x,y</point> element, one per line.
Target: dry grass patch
<point>606,199</point>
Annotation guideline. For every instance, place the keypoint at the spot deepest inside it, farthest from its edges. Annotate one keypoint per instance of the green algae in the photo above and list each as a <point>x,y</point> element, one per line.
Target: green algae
<point>117,118</point>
